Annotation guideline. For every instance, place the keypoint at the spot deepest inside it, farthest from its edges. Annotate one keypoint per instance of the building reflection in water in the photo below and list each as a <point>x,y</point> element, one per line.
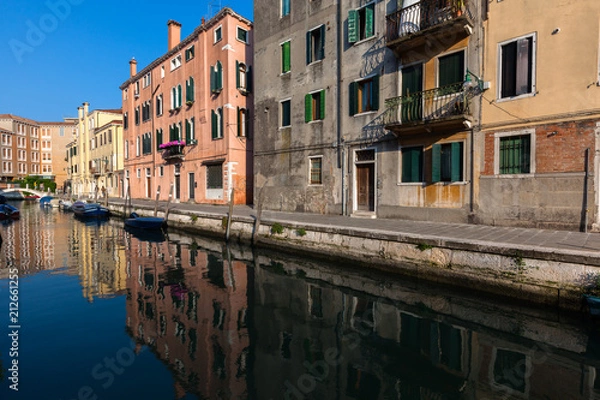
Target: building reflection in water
<point>189,306</point>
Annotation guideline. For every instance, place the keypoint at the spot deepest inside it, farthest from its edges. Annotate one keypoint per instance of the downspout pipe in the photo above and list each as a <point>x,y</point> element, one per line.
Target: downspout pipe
<point>339,143</point>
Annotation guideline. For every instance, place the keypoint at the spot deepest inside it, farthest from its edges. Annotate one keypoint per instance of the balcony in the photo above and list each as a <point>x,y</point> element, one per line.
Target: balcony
<point>443,108</point>
<point>173,153</point>
<point>428,23</point>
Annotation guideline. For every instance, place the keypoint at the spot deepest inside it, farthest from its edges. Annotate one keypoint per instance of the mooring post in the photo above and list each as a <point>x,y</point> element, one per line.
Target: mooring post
<point>259,208</point>
<point>230,215</point>
<point>168,202</point>
<point>156,202</point>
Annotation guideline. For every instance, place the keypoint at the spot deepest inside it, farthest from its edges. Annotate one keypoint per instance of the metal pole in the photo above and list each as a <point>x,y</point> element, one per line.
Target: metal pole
<point>586,190</point>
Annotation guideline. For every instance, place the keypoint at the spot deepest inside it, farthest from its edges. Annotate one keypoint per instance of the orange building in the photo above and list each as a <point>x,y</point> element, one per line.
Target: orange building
<point>186,116</point>
<point>20,147</point>
<point>54,139</point>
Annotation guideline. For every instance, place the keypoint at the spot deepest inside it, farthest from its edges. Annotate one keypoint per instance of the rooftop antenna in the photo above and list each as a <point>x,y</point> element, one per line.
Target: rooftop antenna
<point>212,4</point>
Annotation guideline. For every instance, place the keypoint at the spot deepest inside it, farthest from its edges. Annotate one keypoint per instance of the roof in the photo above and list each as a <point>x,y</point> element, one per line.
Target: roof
<point>113,122</point>
<point>204,27</point>
<point>112,111</point>
<point>63,123</point>
<point>17,118</point>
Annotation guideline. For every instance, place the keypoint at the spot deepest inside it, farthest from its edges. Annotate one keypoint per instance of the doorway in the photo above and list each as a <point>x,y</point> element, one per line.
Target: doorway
<point>365,181</point>
<point>177,183</point>
<point>192,185</point>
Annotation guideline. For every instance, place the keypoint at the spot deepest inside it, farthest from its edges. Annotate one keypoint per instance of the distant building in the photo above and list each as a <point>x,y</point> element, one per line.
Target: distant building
<point>187,116</point>
<point>54,139</point>
<point>20,148</point>
<point>95,148</point>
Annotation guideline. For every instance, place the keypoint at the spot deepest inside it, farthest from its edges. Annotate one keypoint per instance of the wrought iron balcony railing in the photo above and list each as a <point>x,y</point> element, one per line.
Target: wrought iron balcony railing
<point>173,152</point>
<point>421,16</point>
<point>430,105</point>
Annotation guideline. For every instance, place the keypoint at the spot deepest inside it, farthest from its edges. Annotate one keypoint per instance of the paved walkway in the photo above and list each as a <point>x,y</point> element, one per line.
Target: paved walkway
<point>561,242</point>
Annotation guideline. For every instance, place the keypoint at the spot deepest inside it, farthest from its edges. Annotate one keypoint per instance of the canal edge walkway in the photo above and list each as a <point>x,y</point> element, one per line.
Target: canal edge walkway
<point>538,265</point>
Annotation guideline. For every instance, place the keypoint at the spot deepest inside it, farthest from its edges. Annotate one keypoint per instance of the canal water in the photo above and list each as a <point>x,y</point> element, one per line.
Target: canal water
<point>91,311</point>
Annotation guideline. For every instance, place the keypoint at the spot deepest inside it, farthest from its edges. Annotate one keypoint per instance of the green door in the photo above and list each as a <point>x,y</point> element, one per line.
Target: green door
<point>412,93</point>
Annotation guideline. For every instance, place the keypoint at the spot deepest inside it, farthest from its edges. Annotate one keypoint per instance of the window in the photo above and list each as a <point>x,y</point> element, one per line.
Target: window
<point>451,72</point>
<point>364,95</point>
<point>243,122</point>
<point>412,164</point>
<point>147,80</point>
<point>286,113</point>
<point>286,60</point>
<point>217,123</point>
<point>516,67</point>
<point>316,171</point>
<point>147,143</point>
<point>242,35</point>
<point>137,146</point>
<point>189,53</point>
<point>511,370</point>
<point>162,71</point>
<point>146,111</point>
<point>314,106</point>
<point>285,7</point>
<point>159,138</point>
<point>515,154</point>
<point>447,162</point>
<point>315,44</point>
<point>176,97</point>
<point>361,23</point>
<point>243,77</point>
<point>125,120</point>
<point>176,62</point>
<point>159,104</point>
<point>137,115</point>
<point>214,176</point>
<point>190,131</point>
<point>175,132</point>
<point>189,90</point>
<point>216,78</point>
<point>218,34</point>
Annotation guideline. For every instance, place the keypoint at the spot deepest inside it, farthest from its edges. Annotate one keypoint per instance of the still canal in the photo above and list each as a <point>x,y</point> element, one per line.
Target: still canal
<point>91,311</point>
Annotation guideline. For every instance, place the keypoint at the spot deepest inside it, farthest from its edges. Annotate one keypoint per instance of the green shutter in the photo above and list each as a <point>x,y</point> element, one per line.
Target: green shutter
<point>375,93</point>
<point>158,138</point>
<point>286,64</point>
<point>188,131</point>
<point>213,80</point>
<point>213,123</point>
<point>308,108</point>
<point>249,78</point>
<point>238,122</point>
<point>456,159</point>
<point>353,96</point>
<point>189,95</point>
<point>322,43</point>
<point>436,163</point>
<point>322,104</point>
<point>221,123</point>
<point>219,75</point>
<point>237,74</point>
<point>308,47</point>
<point>179,95</point>
<point>417,164</point>
<point>352,26</point>
<point>369,11</point>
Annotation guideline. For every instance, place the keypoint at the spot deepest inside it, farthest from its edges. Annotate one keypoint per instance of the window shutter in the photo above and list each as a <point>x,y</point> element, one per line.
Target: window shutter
<point>219,75</point>
<point>457,152</point>
<point>436,163</point>
<point>322,104</point>
<point>249,78</point>
<point>307,108</point>
<point>352,26</point>
<point>523,54</point>
<point>239,122</point>
<point>188,131</point>
<point>286,60</point>
<point>237,74</point>
<point>178,95</point>
<point>308,47</point>
<point>213,123</point>
<point>158,138</point>
<point>375,93</point>
<point>190,93</point>
<point>213,80</point>
<point>221,124</point>
<point>417,164</point>
<point>322,43</point>
<point>369,11</point>
<point>353,96</point>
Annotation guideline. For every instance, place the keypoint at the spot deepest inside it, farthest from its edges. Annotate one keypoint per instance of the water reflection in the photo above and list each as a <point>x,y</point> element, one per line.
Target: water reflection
<point>228,323</point>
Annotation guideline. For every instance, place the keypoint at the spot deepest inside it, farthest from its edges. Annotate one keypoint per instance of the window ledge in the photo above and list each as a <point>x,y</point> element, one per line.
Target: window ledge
<point>315,121</point>
<point>522,96</point>
<point>315,62</point>
<point>410,184</point>
<point>285,74</point>
<point>370,38</point>
<point>457,183</point>
<point>365,113</point>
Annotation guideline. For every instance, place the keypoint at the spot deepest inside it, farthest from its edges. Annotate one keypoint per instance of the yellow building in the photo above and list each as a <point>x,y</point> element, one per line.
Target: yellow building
<point>540,131</point>
<point>89,161</point>
<point>54,139</point>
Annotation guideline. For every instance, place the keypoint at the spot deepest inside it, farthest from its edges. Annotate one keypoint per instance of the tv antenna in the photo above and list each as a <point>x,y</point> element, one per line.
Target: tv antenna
<point>212,4</point>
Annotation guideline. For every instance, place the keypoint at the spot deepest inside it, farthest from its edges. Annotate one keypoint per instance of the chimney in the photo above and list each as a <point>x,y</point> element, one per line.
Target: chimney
<point>80,112</point>
<point>86,108</point>
<point>174,33</point>
<point>132,67</point>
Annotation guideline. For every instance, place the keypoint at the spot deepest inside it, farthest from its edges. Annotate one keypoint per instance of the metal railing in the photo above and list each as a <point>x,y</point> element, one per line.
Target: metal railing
<point>428,105</point>
<point>172,152</point>
<point>422,15</point>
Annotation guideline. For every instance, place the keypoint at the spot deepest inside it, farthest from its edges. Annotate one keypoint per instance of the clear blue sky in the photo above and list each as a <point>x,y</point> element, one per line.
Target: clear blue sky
<point>56,54</point>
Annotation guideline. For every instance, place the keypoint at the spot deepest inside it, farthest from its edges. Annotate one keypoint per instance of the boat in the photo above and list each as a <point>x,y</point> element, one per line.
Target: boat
<point>8,211</point>
<point>45,201</point>
<point>89,210</point>
<point>135,221</point>
<point>65,205</point>
<point>147,235</point>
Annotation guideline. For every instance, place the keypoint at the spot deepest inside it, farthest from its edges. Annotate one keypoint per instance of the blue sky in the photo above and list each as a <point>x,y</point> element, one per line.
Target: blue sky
<point>56,54</point>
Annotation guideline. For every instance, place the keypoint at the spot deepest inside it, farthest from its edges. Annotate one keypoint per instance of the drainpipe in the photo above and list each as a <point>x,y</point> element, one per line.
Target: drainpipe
<point>339,144</point>
<point>586,190</point>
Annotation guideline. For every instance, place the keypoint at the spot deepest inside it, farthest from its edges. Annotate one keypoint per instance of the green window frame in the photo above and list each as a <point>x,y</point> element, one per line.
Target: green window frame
<point>285,7</point>
<point>216,78</point>
<point>361,23</point>
<point>412,164</point>
<point>286,57</point>
<point>515,154</point>
<point>242,34</point>
<point>447,162</point>
<point>189,53</point>
<point>364,95</point>
<point>216,118</point>
<point>190,131</point>
<point>159,138</point>
<point>189,90</point>
<point>314,106</point>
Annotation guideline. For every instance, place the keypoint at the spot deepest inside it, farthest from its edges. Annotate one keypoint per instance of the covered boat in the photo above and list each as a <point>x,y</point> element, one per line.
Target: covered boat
<point>135,221</point>
<point>8,211</point>
<point>89,210</point>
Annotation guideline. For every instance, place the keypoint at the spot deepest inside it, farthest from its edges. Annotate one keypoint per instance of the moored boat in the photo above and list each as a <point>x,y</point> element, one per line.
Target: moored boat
<point>135,221</point>
<point>8,211</point>
<point>89,210</point>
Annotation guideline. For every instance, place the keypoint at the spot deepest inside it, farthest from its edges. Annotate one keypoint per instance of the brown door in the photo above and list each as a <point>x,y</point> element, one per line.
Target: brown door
<point>365,183</point>
<point>148,187</point>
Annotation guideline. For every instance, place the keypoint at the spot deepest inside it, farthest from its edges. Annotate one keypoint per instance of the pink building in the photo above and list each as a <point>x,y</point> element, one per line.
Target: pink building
<point>187,116</point>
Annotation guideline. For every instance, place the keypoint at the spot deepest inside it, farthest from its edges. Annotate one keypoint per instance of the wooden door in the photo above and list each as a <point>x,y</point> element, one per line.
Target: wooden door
<point>365,185</point>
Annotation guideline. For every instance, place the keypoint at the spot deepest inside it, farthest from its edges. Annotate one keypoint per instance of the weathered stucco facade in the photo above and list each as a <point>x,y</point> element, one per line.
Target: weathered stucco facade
<point>354,158</point>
